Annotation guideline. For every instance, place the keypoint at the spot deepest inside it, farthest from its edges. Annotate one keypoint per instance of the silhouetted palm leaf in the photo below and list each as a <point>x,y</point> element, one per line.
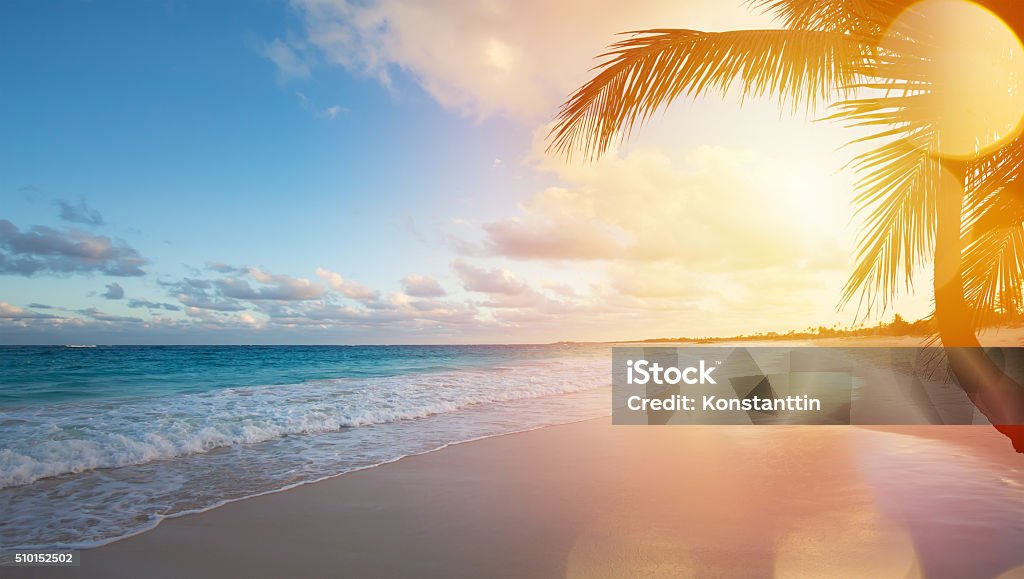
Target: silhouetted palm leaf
<point>994,229</point>
<point>648,71</point>
<point>896,195</point>
<point>849,16</point>
<point>898,180</point>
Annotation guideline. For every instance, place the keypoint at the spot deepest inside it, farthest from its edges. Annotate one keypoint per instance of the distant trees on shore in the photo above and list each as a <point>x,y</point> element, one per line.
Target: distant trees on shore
<point>899,326</point>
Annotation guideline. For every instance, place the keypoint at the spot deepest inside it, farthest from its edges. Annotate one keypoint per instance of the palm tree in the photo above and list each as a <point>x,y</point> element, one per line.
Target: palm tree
<point>964,213</point>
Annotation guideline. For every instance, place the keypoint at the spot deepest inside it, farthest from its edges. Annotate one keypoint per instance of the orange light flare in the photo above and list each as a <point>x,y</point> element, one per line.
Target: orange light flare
<point>966,71</point>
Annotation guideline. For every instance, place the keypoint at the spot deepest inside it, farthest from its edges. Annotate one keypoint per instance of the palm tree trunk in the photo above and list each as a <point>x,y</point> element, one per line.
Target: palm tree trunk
<point>997,395</point>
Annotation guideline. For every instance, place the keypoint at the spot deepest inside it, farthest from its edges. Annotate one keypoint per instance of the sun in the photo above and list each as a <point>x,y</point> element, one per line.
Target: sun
<point>972,64</point>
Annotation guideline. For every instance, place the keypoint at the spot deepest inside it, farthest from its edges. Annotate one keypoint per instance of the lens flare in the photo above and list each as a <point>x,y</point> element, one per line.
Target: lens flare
<point>856,543</point>
<point>611,549</point>
<point>964,71</point>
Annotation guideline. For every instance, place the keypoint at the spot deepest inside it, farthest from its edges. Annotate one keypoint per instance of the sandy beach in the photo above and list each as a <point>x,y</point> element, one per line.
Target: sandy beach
<point>592,500</point>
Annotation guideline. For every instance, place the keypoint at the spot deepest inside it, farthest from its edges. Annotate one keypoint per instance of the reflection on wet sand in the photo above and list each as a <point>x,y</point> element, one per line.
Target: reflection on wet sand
<point>810,502</point>
<point>594,500</point>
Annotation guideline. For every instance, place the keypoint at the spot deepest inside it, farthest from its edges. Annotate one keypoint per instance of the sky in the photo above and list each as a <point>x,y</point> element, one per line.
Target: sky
<point>326,171</point>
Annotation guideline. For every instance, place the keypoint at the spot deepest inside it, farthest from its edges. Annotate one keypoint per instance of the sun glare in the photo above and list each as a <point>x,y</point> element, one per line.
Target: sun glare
<point>974,64</point>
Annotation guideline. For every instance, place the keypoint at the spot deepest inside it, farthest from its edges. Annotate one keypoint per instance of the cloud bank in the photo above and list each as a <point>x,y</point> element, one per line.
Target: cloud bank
<point>45,250</point>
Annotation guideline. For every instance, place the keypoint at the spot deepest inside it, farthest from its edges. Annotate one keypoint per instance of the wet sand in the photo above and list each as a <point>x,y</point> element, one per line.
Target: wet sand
<point>580,500</point>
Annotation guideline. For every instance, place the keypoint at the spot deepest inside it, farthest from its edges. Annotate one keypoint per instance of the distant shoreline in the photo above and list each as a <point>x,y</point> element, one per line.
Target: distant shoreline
<point>1005,337</point>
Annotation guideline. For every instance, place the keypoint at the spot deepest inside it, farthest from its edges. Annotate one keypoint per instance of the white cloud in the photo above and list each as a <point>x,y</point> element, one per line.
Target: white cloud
<point>348,288</point>
<point>11,312</point>
<point>422,286</point>
<point>489,281</point>
<point>715,209</point>
<point>513,57</point>
<point>290,64</point>
<point>45,250</point>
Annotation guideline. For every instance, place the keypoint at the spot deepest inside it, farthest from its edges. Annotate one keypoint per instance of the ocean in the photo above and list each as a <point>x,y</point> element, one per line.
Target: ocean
<point>101,443</point>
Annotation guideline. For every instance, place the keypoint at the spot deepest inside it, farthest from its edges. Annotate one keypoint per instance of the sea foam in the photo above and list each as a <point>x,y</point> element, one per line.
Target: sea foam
<point>78,475</point>
<point>39,442</point>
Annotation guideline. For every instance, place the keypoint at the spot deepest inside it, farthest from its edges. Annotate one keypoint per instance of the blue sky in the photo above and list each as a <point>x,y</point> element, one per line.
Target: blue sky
<point>151,109</point>
<point>297,161</point>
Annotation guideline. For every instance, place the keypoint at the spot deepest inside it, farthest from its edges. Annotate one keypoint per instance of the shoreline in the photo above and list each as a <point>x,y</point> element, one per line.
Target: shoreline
<point>187,513</point>
<point>583,499</point>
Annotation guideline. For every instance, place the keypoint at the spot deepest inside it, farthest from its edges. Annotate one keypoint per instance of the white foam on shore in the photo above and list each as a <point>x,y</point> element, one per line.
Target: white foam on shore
<point>155,520</point>
<point>49,441</point>
<point>123,467</point>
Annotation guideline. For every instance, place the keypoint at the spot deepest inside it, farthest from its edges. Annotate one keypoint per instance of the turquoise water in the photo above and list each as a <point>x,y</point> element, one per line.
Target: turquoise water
<point>44,374</point>
<point>101,443</point>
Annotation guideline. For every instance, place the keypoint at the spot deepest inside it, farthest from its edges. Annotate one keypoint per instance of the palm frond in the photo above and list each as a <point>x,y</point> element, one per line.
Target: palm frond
<point>849,16</point>
<point>993,259</point>
<point>648,71</point>
<point>992,267</point>
<point>996,171</point>
<point>896,195</point>
<point>898,179</point>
